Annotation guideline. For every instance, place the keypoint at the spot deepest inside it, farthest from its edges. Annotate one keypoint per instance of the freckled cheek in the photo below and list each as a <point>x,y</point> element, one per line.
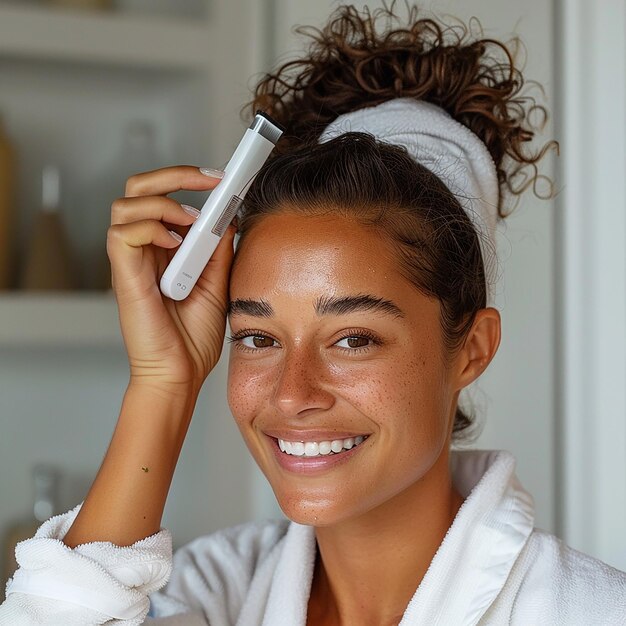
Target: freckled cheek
<point>248,389</point>
<point>403,398</point>
<point>363,390</point>
<point>373,389</point>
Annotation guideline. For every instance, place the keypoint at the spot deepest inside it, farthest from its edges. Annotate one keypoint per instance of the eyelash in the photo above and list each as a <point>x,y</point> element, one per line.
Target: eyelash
<point>246,332</point>
<point>359,334</point>
<point>242,334</point>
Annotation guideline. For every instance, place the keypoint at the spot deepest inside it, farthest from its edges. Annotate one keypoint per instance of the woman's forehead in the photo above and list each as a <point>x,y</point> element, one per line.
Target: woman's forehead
<point>323,263</point>
<point>313,251</point>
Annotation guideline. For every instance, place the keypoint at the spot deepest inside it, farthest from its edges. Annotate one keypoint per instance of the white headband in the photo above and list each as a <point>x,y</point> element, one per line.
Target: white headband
<point>448,149</point>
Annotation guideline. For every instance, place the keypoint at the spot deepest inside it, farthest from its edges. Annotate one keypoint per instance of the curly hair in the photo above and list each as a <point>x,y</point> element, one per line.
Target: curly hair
<point>351,65</point>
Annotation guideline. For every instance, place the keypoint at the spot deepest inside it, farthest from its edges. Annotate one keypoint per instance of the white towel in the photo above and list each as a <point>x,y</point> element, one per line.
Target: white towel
<point>111,581</point>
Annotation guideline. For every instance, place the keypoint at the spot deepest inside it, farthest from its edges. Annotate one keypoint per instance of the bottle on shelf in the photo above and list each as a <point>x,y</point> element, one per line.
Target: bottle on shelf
<point>45,481</point>
<point>48,264</point>
<point>8,173</point>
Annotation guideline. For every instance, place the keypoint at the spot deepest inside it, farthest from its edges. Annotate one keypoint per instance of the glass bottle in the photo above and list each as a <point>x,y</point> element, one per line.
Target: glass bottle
<point>49,264</point>
<point>8,221</point>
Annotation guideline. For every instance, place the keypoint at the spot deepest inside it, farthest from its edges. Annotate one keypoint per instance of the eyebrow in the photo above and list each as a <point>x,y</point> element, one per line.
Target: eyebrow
<point>255,308</point>
<point>336,305</point>
<point>340,305</point>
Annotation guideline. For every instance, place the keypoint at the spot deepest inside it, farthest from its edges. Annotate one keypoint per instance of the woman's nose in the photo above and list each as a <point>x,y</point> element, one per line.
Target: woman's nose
<point>302,384</point>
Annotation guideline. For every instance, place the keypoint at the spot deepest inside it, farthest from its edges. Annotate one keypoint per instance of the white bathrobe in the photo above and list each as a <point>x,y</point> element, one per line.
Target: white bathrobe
<point>491,568</point>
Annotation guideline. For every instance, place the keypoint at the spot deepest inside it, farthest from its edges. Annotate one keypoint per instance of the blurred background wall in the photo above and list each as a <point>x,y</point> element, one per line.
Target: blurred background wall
<point>90,95</point>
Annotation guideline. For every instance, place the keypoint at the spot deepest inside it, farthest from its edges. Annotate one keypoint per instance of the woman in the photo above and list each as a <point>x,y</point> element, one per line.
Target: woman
<point>358,300</point>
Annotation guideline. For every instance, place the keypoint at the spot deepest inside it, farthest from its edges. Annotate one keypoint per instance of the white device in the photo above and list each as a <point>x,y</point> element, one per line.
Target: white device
<point>221,207</point>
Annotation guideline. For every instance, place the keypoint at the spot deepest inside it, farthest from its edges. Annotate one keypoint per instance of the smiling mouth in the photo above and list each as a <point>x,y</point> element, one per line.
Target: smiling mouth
<point>321,448</point>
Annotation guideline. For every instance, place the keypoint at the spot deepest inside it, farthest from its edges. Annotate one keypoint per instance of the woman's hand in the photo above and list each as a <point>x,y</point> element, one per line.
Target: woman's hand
<point>170,344</point>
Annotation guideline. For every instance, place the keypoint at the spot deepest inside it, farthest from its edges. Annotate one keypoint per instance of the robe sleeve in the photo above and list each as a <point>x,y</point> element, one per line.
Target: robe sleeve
<point>93,583</point>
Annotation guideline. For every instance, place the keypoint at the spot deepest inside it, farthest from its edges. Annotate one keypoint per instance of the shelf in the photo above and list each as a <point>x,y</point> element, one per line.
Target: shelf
<point>71,320</point>
<point>107,38</point>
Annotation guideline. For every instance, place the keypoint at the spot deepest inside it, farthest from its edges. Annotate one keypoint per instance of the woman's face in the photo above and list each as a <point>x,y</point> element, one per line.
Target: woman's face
<point>333,345</point>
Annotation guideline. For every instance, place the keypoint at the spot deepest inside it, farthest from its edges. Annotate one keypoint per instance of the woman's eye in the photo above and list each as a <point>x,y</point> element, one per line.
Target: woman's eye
<point>354,341</point>
<point>257,341</point>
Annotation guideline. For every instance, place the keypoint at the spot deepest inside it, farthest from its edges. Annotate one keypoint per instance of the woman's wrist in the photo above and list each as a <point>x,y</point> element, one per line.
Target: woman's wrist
<point>177,392</point>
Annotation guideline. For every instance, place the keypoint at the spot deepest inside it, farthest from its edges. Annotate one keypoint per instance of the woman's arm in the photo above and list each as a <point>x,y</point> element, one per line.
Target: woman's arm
<point>127,498</point>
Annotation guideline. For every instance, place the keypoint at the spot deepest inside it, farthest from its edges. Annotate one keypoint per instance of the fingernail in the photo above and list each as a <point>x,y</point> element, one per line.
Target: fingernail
<point>208,171</point>
<point>176,236</point>
<point>191,210</point>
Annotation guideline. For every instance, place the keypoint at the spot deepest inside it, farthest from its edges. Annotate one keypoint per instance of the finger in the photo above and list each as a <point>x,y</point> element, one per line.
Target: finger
<point>161,208</point>
<point>122,237</point>
<point>168,180</point>
<point>224,252</point>
<point>217,271</point>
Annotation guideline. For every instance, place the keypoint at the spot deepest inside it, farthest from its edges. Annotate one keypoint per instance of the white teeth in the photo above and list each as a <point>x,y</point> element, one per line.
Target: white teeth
<point>311,448</point>
<point>323,448</point>
<point>336,445</point>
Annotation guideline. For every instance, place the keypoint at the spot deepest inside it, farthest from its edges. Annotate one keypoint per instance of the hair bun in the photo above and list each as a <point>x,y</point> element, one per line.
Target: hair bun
<point>350,65</point>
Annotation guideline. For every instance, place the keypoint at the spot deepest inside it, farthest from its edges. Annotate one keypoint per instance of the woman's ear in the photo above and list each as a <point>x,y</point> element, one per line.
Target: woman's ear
<point>480,347</point>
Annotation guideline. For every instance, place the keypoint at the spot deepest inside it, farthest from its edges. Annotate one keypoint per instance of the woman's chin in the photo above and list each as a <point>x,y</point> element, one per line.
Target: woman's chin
<point>311,512</point>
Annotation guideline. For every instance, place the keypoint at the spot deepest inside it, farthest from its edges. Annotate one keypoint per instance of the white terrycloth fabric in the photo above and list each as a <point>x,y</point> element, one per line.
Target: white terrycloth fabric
<point>109,583</point>
<point>444,146</point>
<point>492,569</point>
